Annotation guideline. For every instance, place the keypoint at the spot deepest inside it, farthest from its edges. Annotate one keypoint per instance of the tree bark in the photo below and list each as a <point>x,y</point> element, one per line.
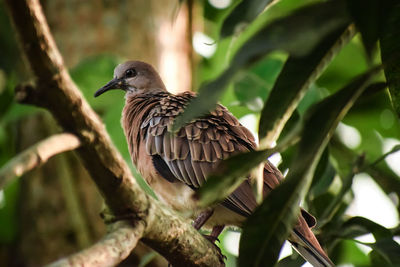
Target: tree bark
<point>164,231</point>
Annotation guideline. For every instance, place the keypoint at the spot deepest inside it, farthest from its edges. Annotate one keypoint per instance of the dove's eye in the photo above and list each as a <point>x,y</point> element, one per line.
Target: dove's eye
<point>130,73</point>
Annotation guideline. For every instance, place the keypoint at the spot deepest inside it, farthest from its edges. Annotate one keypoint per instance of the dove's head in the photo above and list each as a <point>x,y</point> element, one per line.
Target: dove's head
<point>134,77</point>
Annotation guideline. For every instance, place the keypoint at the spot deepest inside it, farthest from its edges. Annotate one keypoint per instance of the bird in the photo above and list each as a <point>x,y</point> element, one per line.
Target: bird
<point>175,165</point>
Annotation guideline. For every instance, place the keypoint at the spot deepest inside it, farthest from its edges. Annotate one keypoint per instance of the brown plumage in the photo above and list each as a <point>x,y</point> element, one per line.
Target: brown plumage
<point>176,165</point>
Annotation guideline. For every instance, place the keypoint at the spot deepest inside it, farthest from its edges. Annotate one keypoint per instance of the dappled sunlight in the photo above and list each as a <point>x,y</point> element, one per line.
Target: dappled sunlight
<point>220,4</point>
<point>349,135</point>
<point>204,45</point>
<point>393,160</point>
<point>231,242</point>
<point>372,203</point>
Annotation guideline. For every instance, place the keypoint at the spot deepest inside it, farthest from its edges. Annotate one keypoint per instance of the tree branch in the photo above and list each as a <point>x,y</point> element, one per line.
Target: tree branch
<point>109,251</point>
<point>164,231</point>
<point>36,155</point>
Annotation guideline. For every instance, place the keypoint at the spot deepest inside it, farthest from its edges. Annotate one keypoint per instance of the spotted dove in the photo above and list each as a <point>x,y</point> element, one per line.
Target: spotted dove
<point>176,165</point>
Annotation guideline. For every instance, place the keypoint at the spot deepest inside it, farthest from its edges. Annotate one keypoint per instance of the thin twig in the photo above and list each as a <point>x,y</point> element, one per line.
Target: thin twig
<point>36,155</point>
<point>383,176</point>
<point>359,166</point>
<point>393,150</point>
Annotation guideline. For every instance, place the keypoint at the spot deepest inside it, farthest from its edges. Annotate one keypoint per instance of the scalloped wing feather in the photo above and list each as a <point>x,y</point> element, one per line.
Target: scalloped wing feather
<point>197,149</point>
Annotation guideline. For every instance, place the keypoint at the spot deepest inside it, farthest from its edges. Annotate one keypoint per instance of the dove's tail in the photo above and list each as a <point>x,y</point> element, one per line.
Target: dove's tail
<point>307,245</point>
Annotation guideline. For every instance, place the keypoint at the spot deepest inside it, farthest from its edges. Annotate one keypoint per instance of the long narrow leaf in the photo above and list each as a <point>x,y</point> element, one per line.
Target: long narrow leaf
<point>244,13</point>
<point>297,34</point>
<point>232,171</point>
<point>366,226</point>
<point>268,227</point>
<point>292,83</point>
<point>388,250</point>
<point>390,50</point>
<point>367,16</point>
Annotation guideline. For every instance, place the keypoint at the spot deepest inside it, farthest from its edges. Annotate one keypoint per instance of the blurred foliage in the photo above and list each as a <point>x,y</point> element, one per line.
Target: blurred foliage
<point>260,245</point>
<point>260,53</point>
<point>10,112</point>
<point>372,116</point>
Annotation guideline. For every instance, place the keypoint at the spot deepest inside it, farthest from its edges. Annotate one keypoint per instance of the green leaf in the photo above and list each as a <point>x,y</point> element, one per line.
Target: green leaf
<point>230,101</point>
<point>9,214</point>
<point>366,15</point>
<point>11,111</point>
<point>244,13</point>
<point>6,94</point>
<point>381,173</point>
<point>205,101</point>
<point>387,251</point>
<point>251,98</point>
<point>390,50</point>
<point>377,259</point>
<point>260,245</point>
<point>254,85</point>
<point>347,181</point>
<point>323,176</point>
<point>297,34</point>
<point>291,261</point>
<point>347,252</point>
<point>231,173</point>
<point>234,170</point>
<point>357,226</point>
<point>294,79</point>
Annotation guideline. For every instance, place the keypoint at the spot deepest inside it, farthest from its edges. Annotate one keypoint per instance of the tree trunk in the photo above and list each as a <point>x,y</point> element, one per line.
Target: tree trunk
<point>59,206</point>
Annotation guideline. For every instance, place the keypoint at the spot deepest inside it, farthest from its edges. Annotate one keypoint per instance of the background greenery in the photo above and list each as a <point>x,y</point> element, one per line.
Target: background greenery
<point>242,80</point>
